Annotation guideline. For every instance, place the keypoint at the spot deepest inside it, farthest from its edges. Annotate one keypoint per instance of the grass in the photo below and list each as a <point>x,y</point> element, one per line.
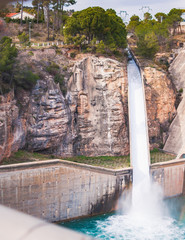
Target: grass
<point>23,156</point>
<point>113,162</point>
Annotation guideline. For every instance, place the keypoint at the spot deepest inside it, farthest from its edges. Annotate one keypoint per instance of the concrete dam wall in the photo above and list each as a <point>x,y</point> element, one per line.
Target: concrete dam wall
<point>57,190</point>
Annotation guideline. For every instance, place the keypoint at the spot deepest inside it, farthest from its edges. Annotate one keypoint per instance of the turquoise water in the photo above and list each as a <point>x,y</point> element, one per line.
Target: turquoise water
<point>117,226</point>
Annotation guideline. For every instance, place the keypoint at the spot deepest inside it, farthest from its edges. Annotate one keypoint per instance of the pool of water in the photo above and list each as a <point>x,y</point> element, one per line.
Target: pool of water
<point>170,226</point>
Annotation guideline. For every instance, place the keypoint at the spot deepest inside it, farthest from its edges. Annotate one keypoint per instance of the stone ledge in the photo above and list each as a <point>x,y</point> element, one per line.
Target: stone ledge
<point>58,162</point>
<point>18,166</point>
<point>168,163</point>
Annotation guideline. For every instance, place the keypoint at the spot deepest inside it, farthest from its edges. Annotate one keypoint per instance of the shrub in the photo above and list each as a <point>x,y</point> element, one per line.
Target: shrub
<point>23,38</point>
<point>181,90</point>
<point>25,79</point>
<point>60,79</point>
<point>53,68</point>
<point>30,53</point>
<point>72,54</point>
<point>101,47</point>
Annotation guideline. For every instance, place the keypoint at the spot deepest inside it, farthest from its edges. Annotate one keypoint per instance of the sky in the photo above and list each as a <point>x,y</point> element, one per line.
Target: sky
<point>131,6</point>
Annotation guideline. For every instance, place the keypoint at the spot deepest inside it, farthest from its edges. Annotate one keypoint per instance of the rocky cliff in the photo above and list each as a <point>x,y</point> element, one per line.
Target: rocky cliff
<point>92,118</point>
<point>176,136</point>
<point>160,104</point>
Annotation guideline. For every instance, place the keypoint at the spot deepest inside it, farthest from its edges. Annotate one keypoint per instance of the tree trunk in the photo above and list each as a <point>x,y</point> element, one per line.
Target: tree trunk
<point>57,15</point>
<point>21,12</point>
<point>48,21</point>
<point>54,20</point>
<point>38,14</point>
<point>61,27</point>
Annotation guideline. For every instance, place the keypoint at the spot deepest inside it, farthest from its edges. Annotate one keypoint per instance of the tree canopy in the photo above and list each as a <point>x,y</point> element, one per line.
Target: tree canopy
<point>152,35</point>
<point>96,23</point>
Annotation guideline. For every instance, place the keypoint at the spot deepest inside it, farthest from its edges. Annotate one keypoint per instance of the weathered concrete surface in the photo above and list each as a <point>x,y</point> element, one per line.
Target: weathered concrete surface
<point>176,140</point>
<point>170,176</point>
<point>59,191</point>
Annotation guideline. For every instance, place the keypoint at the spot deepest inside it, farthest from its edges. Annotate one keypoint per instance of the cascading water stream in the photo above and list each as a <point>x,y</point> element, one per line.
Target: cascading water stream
<point>139,149</point>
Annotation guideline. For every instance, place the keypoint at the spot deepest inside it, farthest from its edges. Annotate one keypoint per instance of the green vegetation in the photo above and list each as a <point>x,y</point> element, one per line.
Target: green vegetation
<point>24,39</point>
<point>152,35</point>
<point>11,75</point>
<point>113,162</point>
<point>25,78</point>
<point>8,53</point>
<point>23,156</point>
<point>59,78</point>
<point>54,70</point>
<point>92,25</point>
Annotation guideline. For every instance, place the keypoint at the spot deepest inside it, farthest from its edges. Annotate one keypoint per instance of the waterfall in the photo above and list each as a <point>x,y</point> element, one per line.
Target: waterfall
<point>139,147</point>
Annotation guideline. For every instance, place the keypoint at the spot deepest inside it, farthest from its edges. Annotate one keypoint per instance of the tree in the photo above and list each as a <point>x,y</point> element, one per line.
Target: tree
<point>62,4</point>
<point>162,33</point>
<point>17,7</point>
<point>95,22</point>
<point>23,38</point>
<point>147,16</point>
<point>4,12</point>
<point>46,7</point>
<point>160,16</point>
<point>148,46</point>
<point>147,41</point>
<point>133,23</point>
<point>8,52</point>
<point>173,19</point>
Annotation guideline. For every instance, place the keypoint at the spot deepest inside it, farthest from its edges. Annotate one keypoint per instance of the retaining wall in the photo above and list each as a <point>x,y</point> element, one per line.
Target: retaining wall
<point>59,190</point>
<point>171,176</point>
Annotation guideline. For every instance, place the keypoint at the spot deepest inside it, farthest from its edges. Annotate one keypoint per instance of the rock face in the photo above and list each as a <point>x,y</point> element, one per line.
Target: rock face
<point>160,104</point>
<point>176,139</point>
<point>47,117</point>
<point>92,119</point>
<point>12,135</point>
<point>97,98</point>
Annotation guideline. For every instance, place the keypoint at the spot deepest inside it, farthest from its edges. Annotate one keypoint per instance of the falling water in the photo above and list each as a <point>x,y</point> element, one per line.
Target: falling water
<point>139,148</point>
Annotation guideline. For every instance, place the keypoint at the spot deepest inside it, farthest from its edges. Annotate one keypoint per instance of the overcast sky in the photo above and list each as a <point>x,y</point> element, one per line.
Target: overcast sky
<point>131,6</point>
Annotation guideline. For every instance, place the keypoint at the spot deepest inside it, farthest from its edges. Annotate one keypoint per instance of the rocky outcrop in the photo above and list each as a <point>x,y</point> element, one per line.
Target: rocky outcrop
<point>176,139</point>
<point>47,117</point>
<point>12,134</point>
<point>160,104</point>
<point>92,119</point>
<point>97,98</point>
